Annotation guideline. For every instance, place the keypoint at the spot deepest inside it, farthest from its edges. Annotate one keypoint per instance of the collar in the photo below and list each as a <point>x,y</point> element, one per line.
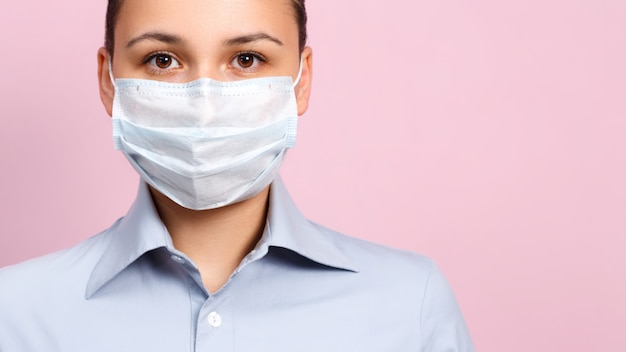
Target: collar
<point>142,230</point>
<point>288,228</point>
<point>137,233</point>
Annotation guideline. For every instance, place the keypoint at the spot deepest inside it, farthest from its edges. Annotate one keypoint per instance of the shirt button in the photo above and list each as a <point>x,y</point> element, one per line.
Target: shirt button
<point>249,257</point>
<point>215,320</point>
<point>178,259</point>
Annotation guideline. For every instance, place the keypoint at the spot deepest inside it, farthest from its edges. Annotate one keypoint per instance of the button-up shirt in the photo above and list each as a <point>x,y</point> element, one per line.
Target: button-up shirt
<point>303,288</point>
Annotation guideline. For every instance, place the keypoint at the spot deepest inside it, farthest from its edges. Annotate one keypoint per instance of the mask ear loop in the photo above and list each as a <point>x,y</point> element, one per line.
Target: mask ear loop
<point>297,81</point>
<point>111,72</point>
<point>117,127</point>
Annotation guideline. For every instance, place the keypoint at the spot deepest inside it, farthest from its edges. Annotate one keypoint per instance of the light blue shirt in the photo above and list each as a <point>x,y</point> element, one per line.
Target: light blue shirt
<point>304,288</point>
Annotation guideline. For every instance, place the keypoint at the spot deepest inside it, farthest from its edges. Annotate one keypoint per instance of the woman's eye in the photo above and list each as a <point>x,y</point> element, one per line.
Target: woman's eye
<point>247,60</point>
<point>164,61</point>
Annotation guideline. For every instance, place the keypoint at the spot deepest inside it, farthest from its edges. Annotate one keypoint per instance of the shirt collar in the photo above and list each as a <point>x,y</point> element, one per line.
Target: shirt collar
<point>288,228</point>
<point>142,230</point>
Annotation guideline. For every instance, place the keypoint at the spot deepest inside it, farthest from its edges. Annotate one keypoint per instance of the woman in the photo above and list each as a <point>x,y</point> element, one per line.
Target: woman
<point>204,98</point>
<point>244,40</point>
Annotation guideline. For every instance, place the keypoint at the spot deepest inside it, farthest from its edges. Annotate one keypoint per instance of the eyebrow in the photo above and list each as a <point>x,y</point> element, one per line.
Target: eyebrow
<point>159,36</point>
<point>249,38</point>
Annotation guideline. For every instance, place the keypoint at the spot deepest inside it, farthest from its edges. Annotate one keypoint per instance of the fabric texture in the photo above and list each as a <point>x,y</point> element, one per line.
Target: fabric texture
<point>303,288</point>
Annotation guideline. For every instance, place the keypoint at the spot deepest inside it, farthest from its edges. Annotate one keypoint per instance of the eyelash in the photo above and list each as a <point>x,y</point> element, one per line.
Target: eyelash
<point>158,71</point>
<point>257,56</point>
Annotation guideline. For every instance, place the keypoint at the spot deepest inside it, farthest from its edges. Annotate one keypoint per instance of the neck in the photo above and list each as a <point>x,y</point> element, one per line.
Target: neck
<point>218,239</point>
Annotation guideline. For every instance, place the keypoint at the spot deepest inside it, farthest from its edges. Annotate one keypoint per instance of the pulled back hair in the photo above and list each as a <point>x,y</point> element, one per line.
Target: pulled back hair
<point>114,6</point>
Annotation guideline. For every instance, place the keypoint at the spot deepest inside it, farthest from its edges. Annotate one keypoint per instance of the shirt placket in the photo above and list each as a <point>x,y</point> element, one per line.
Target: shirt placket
<point>215,325</point>
<point>210,313</point>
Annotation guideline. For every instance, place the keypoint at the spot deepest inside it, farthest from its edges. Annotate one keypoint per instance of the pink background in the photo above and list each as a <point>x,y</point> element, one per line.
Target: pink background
<point>488,135</point>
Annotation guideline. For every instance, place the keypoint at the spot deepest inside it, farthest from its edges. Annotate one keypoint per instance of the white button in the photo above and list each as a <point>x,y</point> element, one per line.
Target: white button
<point>178,259</point>
<point>250,256</point>
<point>215,320</point>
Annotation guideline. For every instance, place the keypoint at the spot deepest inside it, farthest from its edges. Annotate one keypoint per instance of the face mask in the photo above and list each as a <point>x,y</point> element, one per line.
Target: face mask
<point>205,144</point>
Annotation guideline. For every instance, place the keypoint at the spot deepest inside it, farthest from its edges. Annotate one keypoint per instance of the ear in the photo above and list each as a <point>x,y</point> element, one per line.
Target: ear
<point>303,89</point>
<point>107,91</point>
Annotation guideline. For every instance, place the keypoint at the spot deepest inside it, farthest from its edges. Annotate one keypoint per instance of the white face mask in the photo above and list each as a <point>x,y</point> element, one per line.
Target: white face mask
<point>206,144</point>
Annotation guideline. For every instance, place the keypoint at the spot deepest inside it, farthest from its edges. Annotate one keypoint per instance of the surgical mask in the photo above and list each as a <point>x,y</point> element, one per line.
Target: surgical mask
<point>206,144</point>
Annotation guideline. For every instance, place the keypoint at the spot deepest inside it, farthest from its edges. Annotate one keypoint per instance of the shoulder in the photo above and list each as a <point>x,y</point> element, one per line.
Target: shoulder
<point>374,257</point>
<point>38,296</point>
<point>53,274</point>
<point>414,285</point>
<point>396,272</point>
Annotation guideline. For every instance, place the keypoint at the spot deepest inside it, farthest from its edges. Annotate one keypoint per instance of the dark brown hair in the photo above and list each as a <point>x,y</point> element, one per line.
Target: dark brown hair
<point>113,10</point>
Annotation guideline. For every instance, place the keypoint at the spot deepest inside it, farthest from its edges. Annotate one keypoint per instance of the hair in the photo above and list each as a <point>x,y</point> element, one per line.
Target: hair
<point>114,6</point>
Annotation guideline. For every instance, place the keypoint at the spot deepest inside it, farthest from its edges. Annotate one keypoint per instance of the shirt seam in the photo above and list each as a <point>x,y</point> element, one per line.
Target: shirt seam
<point>422,305</point>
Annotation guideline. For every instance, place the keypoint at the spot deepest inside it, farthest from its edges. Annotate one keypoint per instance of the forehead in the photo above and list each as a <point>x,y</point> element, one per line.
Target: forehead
<point>206,19</point>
